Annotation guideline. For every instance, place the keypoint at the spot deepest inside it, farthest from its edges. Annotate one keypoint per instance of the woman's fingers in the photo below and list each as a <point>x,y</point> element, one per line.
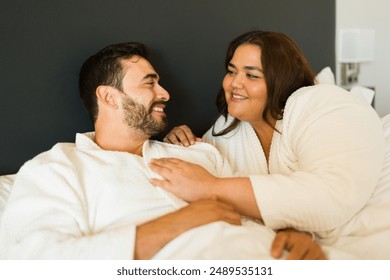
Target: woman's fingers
<point>181,135</point>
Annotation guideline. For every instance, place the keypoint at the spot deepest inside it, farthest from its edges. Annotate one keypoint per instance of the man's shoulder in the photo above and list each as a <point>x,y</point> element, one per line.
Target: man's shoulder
<point>56,154</point>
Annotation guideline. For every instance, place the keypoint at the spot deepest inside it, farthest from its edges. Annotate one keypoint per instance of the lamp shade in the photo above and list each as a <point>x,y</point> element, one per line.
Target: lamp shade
<point>356,45</point>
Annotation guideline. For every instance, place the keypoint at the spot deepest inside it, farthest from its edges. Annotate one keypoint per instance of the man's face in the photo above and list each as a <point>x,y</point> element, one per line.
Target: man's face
<point>143,99</point>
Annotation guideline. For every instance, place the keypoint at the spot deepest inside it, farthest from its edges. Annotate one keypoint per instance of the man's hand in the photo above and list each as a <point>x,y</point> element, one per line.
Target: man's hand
<point>299,245</point>
<point>181,135</point>
<point>153,235</point>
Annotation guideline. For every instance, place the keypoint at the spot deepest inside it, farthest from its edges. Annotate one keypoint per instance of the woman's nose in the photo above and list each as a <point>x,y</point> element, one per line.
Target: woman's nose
<point>237,82</point>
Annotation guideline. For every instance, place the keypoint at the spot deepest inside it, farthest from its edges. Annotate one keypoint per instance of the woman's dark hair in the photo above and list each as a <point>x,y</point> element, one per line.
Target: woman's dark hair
<point>105,68</point>
<point>285,70</point>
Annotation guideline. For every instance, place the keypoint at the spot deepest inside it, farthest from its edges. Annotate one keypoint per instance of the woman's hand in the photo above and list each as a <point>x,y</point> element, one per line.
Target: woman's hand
<point>300,246</point>
<point>181,135</point>
<point>188,181</point>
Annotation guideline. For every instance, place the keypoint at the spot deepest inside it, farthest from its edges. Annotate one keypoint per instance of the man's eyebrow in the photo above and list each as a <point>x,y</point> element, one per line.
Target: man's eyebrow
<point>247,67</point>
<point>148,76</point>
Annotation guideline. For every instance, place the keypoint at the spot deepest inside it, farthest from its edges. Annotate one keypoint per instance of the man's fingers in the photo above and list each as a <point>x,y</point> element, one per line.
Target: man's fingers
<point>315,254</point>
<point>297,253</point>
<point>229,215</point>
<point>278,245</point>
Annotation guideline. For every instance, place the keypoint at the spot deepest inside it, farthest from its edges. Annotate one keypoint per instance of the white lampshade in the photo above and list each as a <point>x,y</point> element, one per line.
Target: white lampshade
<point>356,45</point>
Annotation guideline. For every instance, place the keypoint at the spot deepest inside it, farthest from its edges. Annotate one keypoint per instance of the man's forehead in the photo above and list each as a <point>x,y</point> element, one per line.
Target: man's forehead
<point>137,64</point>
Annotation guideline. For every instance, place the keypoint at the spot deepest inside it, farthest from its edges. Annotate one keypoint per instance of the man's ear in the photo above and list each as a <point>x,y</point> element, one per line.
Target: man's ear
<point>107,96</point>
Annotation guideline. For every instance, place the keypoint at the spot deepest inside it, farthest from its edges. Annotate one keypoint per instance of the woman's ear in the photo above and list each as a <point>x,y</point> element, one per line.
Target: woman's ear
<point>107,96</point>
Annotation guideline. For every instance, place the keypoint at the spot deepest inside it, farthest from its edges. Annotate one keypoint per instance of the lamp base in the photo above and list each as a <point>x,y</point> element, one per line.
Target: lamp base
<point>349,74</point>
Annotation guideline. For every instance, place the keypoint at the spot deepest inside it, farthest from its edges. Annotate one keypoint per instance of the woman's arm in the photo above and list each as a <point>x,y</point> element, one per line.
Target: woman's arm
<point>192,182</point>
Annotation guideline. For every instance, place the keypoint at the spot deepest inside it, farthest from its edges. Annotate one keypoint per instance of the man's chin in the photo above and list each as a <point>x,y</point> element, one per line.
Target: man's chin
<point>156,130</point>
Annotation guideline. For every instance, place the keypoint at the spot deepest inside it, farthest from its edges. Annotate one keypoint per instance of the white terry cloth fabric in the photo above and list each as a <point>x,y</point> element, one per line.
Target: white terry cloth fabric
<point>323,165</point>
<point>6,182</point>
<point>77,201</point>
<point>368,232</point>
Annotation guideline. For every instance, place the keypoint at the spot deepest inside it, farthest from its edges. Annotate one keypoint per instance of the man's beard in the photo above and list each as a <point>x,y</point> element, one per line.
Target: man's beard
<point>137,116</point>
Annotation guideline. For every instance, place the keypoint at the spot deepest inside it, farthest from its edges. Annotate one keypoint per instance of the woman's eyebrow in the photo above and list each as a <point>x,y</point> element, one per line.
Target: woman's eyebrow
<point>247,67</point>
<point>253,68</point>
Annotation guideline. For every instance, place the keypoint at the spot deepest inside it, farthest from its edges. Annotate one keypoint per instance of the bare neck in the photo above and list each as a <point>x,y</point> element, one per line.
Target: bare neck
<point>120,139</point>
<point>265,133</point>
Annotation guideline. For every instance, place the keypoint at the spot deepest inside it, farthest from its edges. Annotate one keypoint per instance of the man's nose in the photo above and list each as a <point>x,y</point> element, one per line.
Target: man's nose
<point>163,94</point>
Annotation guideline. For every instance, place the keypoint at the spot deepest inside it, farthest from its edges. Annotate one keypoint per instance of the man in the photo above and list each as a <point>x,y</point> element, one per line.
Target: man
<point>93,199</point>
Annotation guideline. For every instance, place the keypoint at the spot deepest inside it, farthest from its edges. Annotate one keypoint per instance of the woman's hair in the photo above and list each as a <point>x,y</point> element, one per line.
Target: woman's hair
<point>285,70</point>
<point>105,68</point>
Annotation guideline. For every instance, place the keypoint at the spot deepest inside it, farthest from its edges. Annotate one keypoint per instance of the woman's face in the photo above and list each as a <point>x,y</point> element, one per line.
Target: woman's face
<point>244,84</point>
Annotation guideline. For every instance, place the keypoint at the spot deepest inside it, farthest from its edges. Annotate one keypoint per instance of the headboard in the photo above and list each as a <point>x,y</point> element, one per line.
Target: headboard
<point>44,42</point>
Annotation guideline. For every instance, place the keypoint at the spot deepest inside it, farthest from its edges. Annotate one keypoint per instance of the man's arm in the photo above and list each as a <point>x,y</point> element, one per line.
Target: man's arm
<point>153,235</point>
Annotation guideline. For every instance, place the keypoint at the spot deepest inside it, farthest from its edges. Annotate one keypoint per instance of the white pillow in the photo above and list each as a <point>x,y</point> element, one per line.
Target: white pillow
<point>325,76</point>
<point>5,189</point>
<point>363,92</point>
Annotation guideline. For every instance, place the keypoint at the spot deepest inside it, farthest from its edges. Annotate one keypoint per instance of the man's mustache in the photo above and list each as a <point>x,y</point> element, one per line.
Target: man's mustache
<point>155,103</point>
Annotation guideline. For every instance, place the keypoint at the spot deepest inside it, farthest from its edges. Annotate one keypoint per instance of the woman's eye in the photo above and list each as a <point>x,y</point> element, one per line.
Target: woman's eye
<point>252,76</point>
<point>229,72</point>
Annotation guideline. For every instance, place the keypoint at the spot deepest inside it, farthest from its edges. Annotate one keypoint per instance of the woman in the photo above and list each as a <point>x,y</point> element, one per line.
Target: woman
<point>309,156</point>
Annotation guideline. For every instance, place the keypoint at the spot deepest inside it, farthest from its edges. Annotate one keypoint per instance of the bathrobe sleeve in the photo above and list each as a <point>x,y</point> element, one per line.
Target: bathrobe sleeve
<point>47,217</point>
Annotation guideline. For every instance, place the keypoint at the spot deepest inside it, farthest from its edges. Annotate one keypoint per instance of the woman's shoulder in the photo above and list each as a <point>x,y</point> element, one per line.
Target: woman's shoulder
<point>309,104</point>
<point>322,97</point>
<point>322,91</point>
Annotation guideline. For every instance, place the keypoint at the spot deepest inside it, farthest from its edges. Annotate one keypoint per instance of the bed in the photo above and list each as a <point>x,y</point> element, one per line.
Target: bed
<point>366,236</point>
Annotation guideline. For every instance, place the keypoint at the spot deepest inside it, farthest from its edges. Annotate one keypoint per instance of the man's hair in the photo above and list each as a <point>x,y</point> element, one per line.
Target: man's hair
<point>105,68</point>
<point>285,70</point>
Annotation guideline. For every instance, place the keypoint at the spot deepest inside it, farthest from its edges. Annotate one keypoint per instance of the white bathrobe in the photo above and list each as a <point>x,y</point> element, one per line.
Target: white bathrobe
<point>77,201</point>
<point>323,165</point>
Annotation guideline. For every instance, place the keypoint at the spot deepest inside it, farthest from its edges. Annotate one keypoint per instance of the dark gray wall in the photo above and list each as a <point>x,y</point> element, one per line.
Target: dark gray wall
<point>44,42</point>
